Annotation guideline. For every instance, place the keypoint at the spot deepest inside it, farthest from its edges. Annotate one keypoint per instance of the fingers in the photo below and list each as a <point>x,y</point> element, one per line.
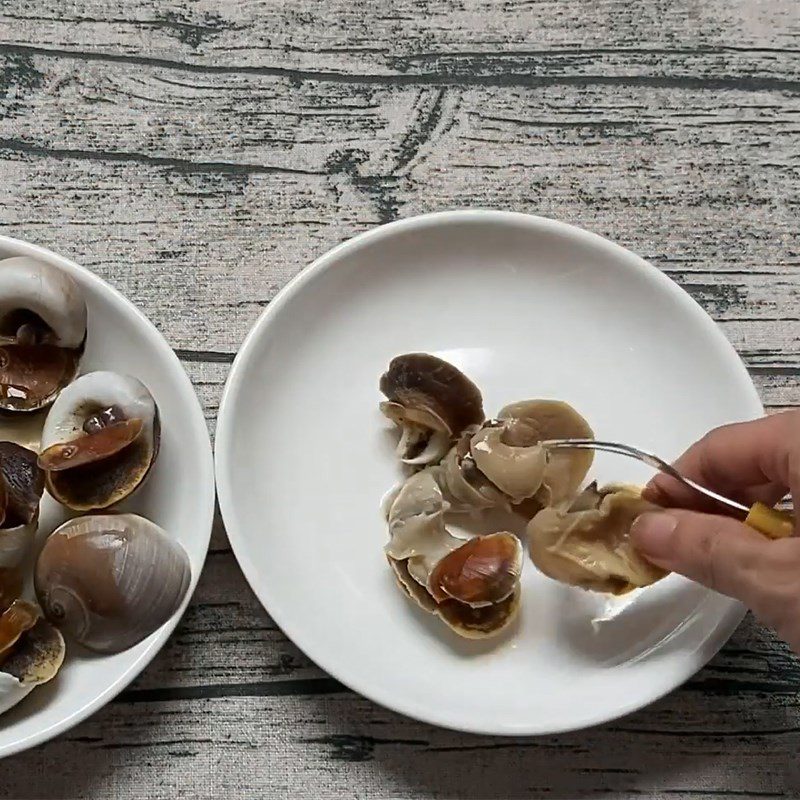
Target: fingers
<point>748,461</point>
<point>726,556</point>
<point>670,493</point>
<point>718,552</point>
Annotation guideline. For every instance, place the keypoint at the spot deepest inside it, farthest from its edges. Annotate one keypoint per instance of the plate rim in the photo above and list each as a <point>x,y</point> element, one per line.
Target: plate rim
<point>709,646</point>
<point>195,412</point>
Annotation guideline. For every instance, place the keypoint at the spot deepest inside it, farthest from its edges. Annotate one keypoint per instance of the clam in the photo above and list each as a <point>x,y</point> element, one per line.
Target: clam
<point>589,544</point>
<point>480,622</point>
<point>482,571</point>
<point>110,580</point>
<point>416,526</point>
<point>473,584</point>
<point>99,441</point>
<point>42,332</point>
<point>470,623</point>
<point>432,402</point>
<point>21,488</point>
<point>529,422</point>
<point>31,652</point>
<point>518,471</point>
<point>464,486</point>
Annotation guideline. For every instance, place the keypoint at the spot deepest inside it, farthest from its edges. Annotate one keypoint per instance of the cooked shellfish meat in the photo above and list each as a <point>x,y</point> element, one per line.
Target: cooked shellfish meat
<point>464,486</point>
<point>19,617</point>
<point>517,471</point>
<point>501,462</point>
<point>528,422</point>
<point>21,488</point>
<point>31,652</point>
<point>589,544</point>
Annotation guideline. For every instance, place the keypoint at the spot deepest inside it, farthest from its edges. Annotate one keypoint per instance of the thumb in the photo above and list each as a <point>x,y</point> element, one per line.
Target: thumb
<point>718,552</point>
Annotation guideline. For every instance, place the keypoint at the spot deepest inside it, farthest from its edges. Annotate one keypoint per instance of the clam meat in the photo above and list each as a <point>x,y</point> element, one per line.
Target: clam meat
<point>516,470</point>
<point>529,422</point>
<point>21,488</point>
<point>464,486</point>
<point>588,545</point>
<point>502,464</point>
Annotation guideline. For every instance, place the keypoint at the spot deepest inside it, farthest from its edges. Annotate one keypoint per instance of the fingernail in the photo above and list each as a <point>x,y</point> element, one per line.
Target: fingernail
<point>652,534</point>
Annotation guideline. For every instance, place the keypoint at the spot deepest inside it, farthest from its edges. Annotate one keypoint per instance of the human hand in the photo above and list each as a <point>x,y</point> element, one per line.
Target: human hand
<point>748,462</point>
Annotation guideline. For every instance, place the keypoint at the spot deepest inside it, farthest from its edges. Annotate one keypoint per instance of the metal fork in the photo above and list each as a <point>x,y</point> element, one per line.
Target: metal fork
<point>771,522</point>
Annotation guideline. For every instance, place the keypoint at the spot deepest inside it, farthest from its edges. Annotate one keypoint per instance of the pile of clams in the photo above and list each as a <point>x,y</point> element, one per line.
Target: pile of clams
<point>104,579</point>
<point>460,462</point>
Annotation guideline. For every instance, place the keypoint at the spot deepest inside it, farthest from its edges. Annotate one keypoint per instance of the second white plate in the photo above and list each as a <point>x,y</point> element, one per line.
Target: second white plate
<point>527,307</point>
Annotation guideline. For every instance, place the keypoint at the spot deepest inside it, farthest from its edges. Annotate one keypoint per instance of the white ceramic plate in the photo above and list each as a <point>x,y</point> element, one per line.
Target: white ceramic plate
<point>527,307</point>
<point>178,495</point>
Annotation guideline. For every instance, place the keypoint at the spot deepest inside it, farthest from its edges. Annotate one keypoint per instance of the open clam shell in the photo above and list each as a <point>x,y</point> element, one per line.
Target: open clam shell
<point>100,440</point>
<point>471,584</point>
<point>432,402</point>
<point>42,332</point>
<point>468,622</point>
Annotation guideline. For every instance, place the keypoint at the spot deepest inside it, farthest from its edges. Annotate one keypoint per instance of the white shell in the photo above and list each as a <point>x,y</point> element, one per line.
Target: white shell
<point>49,292</point>
<point>435,449</point>
<point>95,390</point>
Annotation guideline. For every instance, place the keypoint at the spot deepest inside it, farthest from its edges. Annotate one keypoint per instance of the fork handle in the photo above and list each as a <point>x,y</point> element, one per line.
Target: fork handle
<point>771,522</point>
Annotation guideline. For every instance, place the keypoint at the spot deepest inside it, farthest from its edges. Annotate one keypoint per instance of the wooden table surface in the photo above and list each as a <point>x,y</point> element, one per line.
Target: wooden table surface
<point>198,153</point>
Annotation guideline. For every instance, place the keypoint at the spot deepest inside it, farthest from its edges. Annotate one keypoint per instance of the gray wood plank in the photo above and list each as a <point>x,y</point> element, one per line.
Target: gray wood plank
<point>138,165</point>
<point>742,37</point>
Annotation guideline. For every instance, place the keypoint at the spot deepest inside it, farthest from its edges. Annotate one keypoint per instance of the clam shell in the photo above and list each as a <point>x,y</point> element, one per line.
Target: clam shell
<point>37,296</point>
<point>110,580</point>
<point>35,660</point>
<point>50,293</point>
<point>108,477</point>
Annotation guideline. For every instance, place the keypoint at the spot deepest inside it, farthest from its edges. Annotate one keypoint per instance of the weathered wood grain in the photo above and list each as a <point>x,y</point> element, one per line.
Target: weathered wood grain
<point>742,37</point>
<point>198,154</point>
<point>228,184</point>
<point>730,733</point>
